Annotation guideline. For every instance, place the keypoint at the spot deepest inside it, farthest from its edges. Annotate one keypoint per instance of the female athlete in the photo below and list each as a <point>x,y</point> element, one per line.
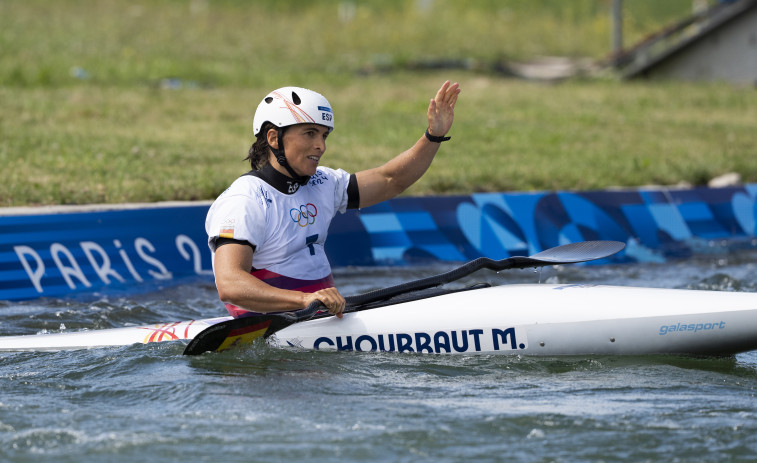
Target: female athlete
<point>267,231</point>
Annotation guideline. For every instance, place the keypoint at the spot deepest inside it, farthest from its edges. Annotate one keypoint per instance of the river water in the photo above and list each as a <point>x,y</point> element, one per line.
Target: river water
<point>150,403</point>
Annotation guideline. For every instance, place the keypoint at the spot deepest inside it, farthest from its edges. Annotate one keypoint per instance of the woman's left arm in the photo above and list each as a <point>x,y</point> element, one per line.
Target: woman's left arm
<point>394,177</point>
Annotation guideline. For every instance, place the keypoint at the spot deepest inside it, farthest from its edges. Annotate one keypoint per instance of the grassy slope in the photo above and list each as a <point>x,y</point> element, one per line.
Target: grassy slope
<point>120,135</point>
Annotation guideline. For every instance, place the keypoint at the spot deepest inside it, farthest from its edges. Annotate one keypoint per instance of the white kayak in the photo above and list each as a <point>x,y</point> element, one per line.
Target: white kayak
<point>511,319</point>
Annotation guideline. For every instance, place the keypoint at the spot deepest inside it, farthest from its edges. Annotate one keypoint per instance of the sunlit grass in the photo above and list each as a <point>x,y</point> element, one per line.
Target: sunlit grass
<point>110,101</point>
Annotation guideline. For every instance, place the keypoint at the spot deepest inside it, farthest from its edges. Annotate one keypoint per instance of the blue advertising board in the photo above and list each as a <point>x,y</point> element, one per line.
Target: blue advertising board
<point>71,251</point>
<point>58,254</point>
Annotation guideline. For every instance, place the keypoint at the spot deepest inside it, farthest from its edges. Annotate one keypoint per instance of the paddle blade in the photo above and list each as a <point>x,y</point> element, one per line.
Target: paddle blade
<point>244,330</point>
<point>572,253</point>
<point>224,335</point>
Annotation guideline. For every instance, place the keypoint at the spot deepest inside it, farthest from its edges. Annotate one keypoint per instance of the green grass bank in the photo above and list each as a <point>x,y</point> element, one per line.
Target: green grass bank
<point>109,101</point>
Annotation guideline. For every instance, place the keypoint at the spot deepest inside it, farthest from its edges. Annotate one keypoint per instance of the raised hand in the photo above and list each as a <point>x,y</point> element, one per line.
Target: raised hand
<point>441,109</point>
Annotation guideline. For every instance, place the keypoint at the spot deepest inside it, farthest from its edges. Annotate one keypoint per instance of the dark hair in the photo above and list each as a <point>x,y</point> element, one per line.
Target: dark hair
<point>259,150</point>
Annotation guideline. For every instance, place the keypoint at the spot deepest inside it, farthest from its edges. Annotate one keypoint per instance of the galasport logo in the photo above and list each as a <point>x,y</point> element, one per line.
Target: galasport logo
<point>305,215</point>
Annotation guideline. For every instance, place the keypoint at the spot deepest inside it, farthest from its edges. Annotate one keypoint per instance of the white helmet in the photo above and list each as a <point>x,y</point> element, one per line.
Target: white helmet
<point>293,105</point>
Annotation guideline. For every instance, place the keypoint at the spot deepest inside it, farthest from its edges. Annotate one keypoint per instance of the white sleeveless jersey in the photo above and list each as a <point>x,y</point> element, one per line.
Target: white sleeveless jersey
<point>288,231</point>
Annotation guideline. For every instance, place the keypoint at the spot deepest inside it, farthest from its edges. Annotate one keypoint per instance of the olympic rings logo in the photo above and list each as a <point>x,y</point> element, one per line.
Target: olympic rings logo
<point>305,215</point>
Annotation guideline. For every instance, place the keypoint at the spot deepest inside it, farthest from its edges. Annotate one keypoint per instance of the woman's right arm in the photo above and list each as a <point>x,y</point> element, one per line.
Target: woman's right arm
<point>232,265</point>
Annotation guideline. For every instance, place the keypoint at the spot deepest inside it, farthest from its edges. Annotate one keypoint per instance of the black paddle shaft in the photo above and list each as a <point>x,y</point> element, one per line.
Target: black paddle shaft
<point>566,254</point>
<point>572,253</point>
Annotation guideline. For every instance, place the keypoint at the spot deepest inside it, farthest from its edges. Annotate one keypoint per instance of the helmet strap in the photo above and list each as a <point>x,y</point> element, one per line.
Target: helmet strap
<point>281,158</point>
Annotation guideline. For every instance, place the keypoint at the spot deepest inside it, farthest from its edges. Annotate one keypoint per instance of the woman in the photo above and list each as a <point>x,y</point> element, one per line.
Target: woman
<point>267,230</point>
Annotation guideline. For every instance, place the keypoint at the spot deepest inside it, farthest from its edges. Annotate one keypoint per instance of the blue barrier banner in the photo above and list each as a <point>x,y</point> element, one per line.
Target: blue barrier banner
<point>53,254</point>
<point>656,224</point>
<point>59,254</point>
